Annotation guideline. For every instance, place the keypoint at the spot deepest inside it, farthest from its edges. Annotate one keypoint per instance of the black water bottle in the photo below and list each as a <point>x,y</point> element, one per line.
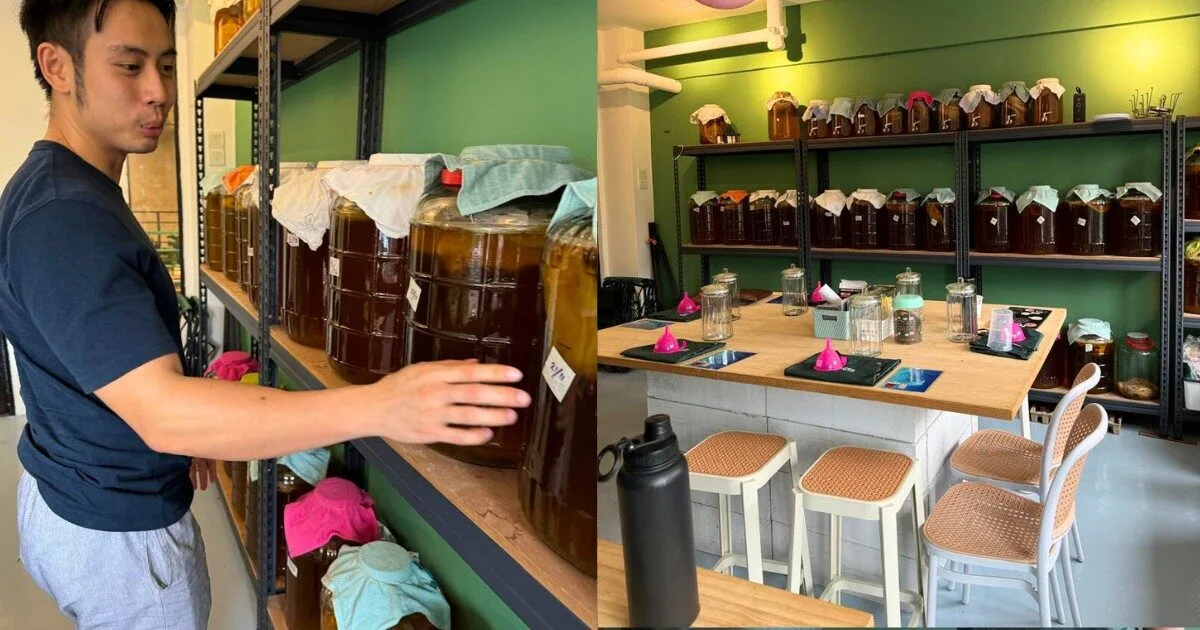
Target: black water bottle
<point>655,501</point>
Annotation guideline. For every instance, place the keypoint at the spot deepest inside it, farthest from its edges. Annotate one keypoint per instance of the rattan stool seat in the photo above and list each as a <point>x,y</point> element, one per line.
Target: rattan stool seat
<point>734,453</point>
<point>1001,456</point>
<point>861,474</point>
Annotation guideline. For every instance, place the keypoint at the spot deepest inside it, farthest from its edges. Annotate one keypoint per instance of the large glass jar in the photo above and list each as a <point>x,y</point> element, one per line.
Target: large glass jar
<point>893,117</point>
<point>254,470</point>
<point>866,325</point>
<point>947,114</point>
<point>841,118</point>
<point>981,106</point>
<point>238,477</point>
<point>250,7</point>
<point>730,280</point>
<point>557,481</point>
<point>920,112</point>
<point>909,318</point>
<point>1090,341</point>
<point>214,239</point>
<point>937,220</point>
<point>712,123</point>
<point>229,238</point>
<point>414,621</point>
<point>1036,209</point>
<point>764,218</point>
<point>901,219</point>
<point>1137,367</point>
<point>829,228</point>
<point>1014,104</point>
<point>1047,101</point>
<point>704,217</point>
<point>783,117</point>
<point>962,317</point>
<point>1191,184</point>
<point>1138,219</point>
<point>735,217</point>
<point>716,308</point>
<point>1054,371</point>
<point>816,120</point>
<point>995,215</point>
<point>288,487</point>
<point>866,116</point>
<point>864,210</point>
<point>287,170</point>
<point>1085,220</point>
<point>1191,278</point>
<point>246,257</point>
<point>302,606</point>
<point>304,291</point>
<point>480,297</point>
<point>226,25</point>
<point>786,208</point>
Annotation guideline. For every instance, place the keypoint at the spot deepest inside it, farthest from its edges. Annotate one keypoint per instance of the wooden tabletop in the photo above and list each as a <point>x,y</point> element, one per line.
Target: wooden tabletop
<point>971,383</point>
<point>725,601</point>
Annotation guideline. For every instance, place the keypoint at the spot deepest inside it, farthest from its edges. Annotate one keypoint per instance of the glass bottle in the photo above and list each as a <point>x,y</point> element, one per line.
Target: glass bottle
<point>893,117</point>
<point>829,227</point>
<point>716,320</point>
<point>1191,184</point>
<point>730,280</point>
<point>233,256</point>
<point>866,116</point>
<point>1014,104</point>
<point>250,7</point>
<point>1090,341</point>
<point>786,208</point>
<point>866,325</point>
<point>226,25</point>
<point>1036,208</point>
<point>1138,219</point>
<point>214,254</point>
<point>735,217</point>
<point>995,214</point>
<point>1047,101</point>
<point>764,218</point>
<point>902,219</point>
<point>841,118</point>
<point>937,220</point>
<point>783,117</point>
<point>1054,371</point>
<point>981,107</point>
<point>920,112</point>
<point>795,291</point>
<point>908,282</point>
<point>1085,217</point>
<point>302,606</point>
<point>864,218</point>
<point>1137,367</point>
<point>949,116</point>
<point>961,312</point>
<point>712,123</point>
<point>816,120</point>
<point>238,477</point>
<point>909,318</point>
<point>704,217</point>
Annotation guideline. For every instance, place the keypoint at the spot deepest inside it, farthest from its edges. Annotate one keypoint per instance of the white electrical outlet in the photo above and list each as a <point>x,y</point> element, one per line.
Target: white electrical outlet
<point>643,179</point>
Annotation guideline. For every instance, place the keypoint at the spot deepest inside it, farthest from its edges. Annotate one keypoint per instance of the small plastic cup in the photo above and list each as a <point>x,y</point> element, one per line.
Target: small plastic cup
<point>1000,337</point>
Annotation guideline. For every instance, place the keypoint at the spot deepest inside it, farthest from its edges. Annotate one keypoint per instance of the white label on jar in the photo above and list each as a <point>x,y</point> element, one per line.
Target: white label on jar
<point>250,251</point>
<point>1087,347</point>
<point>558,374</point>
<point>994,221</point>
<point>1135,220</point>
<point>895,218</point>
<point>1041,220</point>
<point>1082,222</point>
<point>292,568</point>
<point>335,267</point>
<point>858,218</point>
<point>414,293</point>
<point>293,240</point>
<point>933,222</point>
<point>253,472</point>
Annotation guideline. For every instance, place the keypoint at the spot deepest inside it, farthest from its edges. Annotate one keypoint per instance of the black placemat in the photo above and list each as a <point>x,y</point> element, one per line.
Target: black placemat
<point>694,349</point>
<point>1021,350</point>
<point>672,315</point>
<point>857,371</point>
<point>1029,317</point>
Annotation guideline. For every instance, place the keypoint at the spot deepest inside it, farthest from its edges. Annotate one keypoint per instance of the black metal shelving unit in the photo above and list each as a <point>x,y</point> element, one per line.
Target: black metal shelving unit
<point>1181,322</point>
<point>283,44</point>
<point>967,165</point>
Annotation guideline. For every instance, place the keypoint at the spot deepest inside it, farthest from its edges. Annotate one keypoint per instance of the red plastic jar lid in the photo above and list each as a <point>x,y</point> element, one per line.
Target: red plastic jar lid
<point>451,178</point>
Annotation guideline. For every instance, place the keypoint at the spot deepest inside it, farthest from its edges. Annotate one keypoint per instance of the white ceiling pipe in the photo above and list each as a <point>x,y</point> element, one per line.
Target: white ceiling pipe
<point>772,36</point>
<point>618,76</point>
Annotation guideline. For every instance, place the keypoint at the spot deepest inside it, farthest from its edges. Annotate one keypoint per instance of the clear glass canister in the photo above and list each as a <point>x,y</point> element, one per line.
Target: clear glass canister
<point>1036,208</point>
<point>730,280</point>
<point>1085,217</point>
<point>795,291</point>
<point>893,117</point>
<point>908,282</point>
<point>1191,184</point>
<point>995,215</point>
<point>900,226</point>
<point>909,318</point>
<point>704,217</point>
<point>866,325</point>
<point>937,220</point>
<point>841,118</point>
<point>1047,104</point>
<point>1137,367</point>
<point>783,117</point>
<point>764,218</point>
<point>1090,341</point>
<point>1014,104</point>
<point>716,306</point>
<point>829,228</point>
<point>735,217</point>
<point>1138,219</point>
<point>816,120</point>
<point>920,112</point>
<point>961,312</point>
<point>864,218</point>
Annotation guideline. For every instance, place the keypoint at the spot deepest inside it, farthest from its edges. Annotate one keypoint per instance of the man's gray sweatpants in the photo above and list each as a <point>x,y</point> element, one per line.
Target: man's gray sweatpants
<point>150,580</point>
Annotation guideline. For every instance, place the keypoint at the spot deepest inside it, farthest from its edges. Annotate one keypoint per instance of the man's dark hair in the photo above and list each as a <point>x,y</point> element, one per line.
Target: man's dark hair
<point>65,22</point>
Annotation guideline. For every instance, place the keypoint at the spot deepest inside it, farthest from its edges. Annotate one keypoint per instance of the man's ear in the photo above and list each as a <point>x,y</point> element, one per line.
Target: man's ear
<point>57,67</point>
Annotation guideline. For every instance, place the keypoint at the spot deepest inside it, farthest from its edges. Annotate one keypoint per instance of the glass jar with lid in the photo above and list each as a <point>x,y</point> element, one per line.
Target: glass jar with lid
<point>1137,367</point>
<point>1091,341</point>
<point>937,220</point>
<point>730,280</point>
<point>783,117</point>
<point>1191,184</point>
<point>1191,277</point>
<point>287,172</point>
<point>841,118</point>
<point>908,282</point>
<point>948,116</point>
<point>1138,218</point>
<point>1047,101</point>
<point>866,116</point>
<point>764,218</point>
<point>1054,371</point>
<point>920,112</point>
<point>243,198</point>
<point>1014,104</point>
<point>962,316</point>
<point>250,7</point>
<point>1036,208</point>
<point>786,208</point>
<point>893,115</point>
<point>288,488</point>
<point>902,219</point>
<point>226,25</point>
<point>1085,217</point>
<point>866,324</point>
<point>995,216</point>
<point>735,217</point>
<point>865,205</point>
<point>816,120</point>
<point>302,606</point>
<point>377,577</point>
<point>909,318</point>
<point>704,217</point>
<point>716,308</point>
<point>981,106</point>
<point>795,291</point>
<point>828,225</point>
<point>214,253</point>
<point>231,182</point>
<point>712,123</point>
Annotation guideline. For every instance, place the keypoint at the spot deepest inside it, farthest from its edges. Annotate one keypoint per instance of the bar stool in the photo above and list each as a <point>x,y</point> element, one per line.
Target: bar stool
<point>868,484</point>
<point>740,463</point>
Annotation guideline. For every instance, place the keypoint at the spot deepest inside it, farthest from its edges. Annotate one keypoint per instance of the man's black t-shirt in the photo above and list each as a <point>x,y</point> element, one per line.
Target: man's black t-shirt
<point>84,299</point>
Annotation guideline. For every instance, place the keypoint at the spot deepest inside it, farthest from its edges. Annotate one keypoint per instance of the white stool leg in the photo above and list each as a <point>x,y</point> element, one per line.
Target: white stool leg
<point>918,523</point>
<point>950,583</point>
<point>799,566</point>
<point>890,551</point>
<point>1023,415</point>
<point>835,552</point>
<point>931,594</point>
<point>1072,602</point>
<point>725,528</point>
<point>1076,541</point>
<point>754,567</point>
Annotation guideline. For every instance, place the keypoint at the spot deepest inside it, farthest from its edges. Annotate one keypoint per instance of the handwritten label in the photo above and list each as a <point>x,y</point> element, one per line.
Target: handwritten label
<point>895,218</point>
<point>994,221</point>
<point>1135,221</point>
<point>558,374</point>
<point>293,240</point>
<point>335,267</point>
<point>858,218</point>
<point>1082,222</point>
<point>1041,220</point>
<point>292,568</point>
<point>414,293</point>
<point>933,222</point>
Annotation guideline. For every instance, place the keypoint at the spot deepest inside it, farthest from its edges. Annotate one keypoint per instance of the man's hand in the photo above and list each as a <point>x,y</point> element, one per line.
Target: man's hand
<point>203,472</point>
<point>449,401</point>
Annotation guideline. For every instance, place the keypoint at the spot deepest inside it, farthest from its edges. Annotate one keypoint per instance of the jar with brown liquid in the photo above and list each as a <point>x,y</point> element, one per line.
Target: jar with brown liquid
<point>229,226</point>
<point>981,106</point>
<point>1014,104</point>
<point>1085,218</point>
<point>704,217</point>
<point>783,117</point>
<point>1191,184</point>
<point>995,216</point>
<point>238,477</point>
<point>287,170</point>
<point>816,120</point>
<point>937,220</point>
<point>893,115</point>
<point>786,209</point>
<point>226,25</point>
<point>1191,285</point>
<point>302,606</point>
<point>735,217</point>
<point>712,123</point>
<point>480,296</point>
<point>1036,209</point>
<point>947,114</point>
<point>764,218</point>
<point>415,621</point>
<point>866,116</point>
<point>246,251</point>
<point>829,228</point>
<point>214,239</point>
<point>901,219</point>
<point>920,112</point>
<point>1090,341</point>
<point>1054,371</point>
<point>1047,101</point>
<point>841,118</point>
<point>865,205</point>
<point>1138,220</point>
<point>304,273</point>
<point>557,481</point>
<point>288,488</point>
<point>250,7</point>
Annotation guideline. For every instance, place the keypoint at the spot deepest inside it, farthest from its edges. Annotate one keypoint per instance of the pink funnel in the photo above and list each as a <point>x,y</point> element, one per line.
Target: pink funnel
<point>667,344</point>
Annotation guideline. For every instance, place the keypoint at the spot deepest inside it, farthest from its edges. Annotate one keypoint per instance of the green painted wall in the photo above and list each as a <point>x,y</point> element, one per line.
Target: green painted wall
<point>871,47</point>
<point>491,71</point>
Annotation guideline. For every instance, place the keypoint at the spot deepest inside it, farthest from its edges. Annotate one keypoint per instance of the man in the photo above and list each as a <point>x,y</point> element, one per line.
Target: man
<point>113,424</point>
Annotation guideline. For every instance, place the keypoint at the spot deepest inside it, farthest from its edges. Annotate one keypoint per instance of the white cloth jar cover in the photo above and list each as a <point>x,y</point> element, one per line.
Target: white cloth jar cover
<point>940,195</point>
<point>817,109</point>
<point>759,194</point>
<point>842,106</point>
<point>869,195</point>
<point>302,204</point>
<point>1002,191</point>
<point>1049,83</point>
<point>707,114</point>
<point>782,96</point>
<point>702,197</point>
<point>976,95</point>
<point>1087,192</point>
<point>832,201</point>
<point>1146,188</point>
<point>387,189</point>
<point>1044,195</point>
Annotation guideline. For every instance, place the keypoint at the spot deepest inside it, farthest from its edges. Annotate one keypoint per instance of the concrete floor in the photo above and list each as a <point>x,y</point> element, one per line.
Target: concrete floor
<point>1138,510</point>
<point>23,606</point>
